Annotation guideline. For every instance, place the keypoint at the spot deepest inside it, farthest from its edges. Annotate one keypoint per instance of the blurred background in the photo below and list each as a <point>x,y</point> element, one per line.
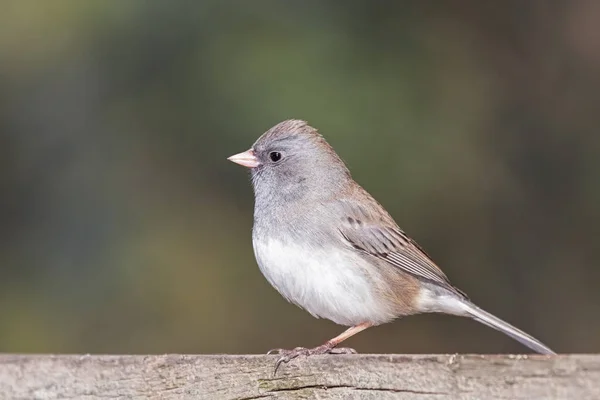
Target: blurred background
<point>124,229</point>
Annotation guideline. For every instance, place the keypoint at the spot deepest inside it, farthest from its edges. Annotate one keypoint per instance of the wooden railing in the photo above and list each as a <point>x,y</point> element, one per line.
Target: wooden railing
<point>178,377</point>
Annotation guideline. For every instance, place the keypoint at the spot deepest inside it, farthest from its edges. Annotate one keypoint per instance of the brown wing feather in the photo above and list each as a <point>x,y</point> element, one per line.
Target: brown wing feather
<point>370,229</point>
<point>384,243</point>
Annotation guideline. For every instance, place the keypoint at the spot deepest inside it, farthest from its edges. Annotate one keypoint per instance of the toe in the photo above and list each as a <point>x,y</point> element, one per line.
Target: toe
<point>343,350</point>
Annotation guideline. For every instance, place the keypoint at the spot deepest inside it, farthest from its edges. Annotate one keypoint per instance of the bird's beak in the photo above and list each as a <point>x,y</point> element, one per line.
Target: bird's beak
<point>246,159</point>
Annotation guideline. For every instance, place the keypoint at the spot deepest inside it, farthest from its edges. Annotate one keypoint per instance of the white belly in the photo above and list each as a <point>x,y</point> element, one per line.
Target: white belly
<point>327,283</point>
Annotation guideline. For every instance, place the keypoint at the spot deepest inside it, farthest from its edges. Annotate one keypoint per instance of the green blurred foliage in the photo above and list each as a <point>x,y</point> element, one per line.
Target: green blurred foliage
<point>124,228</point>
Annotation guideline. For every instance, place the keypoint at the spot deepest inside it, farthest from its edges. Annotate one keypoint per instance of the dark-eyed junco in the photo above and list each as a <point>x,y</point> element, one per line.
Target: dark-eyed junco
<point>330,248</point>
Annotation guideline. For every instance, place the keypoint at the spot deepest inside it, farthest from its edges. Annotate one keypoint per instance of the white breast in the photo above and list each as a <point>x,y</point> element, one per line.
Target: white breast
<point>327,283</point>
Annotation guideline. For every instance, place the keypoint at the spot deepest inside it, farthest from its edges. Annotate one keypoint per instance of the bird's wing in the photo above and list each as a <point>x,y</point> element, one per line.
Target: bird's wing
<point>376,233</point>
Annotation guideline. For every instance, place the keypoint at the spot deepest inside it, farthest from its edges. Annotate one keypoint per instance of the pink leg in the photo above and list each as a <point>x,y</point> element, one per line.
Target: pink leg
<point>328,348</point>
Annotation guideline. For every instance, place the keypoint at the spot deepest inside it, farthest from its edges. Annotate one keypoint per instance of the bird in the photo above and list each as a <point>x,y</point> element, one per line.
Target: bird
<point>326,245</point>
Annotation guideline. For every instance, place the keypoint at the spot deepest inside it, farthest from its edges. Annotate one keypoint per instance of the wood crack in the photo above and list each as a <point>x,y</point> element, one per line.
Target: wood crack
<point>351,387</point>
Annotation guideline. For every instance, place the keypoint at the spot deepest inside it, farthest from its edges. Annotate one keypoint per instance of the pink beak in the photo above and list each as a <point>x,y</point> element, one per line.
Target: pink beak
<point>246,159</point>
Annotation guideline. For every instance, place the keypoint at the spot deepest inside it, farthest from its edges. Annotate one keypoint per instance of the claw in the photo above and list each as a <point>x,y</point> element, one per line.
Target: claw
<point>277,364</point>
<point>289,355</point>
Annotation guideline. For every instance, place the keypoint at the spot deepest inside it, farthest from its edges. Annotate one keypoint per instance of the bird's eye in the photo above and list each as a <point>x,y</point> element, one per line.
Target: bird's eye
<point>275,156</point>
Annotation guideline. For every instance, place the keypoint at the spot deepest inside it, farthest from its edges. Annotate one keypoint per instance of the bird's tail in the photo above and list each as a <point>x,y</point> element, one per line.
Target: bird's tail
<point>494,322</point>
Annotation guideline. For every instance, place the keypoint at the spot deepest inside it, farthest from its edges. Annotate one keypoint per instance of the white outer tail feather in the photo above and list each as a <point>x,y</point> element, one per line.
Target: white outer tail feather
<point>492,321</point>
<point>450,303</point>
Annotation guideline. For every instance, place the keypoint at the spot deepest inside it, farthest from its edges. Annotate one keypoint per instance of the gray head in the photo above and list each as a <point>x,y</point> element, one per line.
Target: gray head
<point>292,161</point>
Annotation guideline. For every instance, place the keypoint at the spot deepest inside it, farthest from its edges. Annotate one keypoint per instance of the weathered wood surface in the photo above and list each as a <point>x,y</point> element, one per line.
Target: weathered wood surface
<point>178,377</point>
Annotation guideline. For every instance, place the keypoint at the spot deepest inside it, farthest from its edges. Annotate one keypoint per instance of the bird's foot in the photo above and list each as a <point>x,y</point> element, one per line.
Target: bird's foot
<point>289,355</point>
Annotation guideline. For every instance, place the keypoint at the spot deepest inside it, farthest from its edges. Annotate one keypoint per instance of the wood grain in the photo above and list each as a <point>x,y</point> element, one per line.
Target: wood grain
<point>178,377</point>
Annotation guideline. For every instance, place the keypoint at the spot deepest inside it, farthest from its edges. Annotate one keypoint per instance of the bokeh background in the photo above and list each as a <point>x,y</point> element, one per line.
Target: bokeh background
<point>124,229</point>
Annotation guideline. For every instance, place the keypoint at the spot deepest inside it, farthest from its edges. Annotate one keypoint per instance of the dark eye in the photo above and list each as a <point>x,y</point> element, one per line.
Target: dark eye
<point>275,156</point>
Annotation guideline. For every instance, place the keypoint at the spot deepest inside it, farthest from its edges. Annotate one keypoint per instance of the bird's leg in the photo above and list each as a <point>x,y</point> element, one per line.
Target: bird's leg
<point>328,348</point>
